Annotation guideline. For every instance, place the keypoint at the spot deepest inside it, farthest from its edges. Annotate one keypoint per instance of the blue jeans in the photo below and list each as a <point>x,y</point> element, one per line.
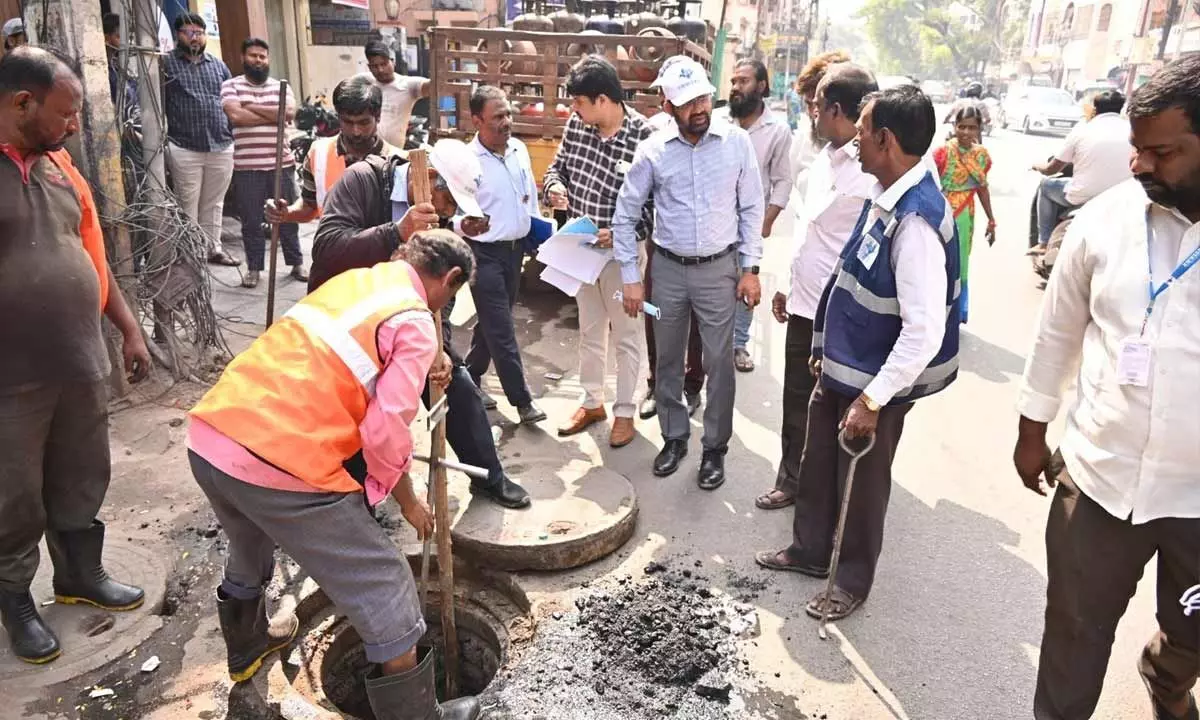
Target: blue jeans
<point>742,317</point>
<point>1051,206</point>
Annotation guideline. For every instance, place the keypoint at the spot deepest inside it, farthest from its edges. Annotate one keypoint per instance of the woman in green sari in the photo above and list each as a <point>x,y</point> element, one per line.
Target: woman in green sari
<point>963,164</point>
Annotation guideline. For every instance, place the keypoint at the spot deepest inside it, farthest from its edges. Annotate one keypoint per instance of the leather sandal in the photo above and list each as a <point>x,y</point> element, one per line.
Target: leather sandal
<point>770,560</point>
<point>842,605</point>
<point>774,500</point>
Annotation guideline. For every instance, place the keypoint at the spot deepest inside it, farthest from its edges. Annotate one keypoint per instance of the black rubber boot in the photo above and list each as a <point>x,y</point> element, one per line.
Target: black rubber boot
<point>31,638</point>
<point>250,635</point>
<point>411,696</point>
<point>79,575</point>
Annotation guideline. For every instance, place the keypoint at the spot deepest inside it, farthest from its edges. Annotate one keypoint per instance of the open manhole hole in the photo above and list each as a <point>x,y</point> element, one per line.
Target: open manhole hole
<point>492,616</point>
<point>345,666</point>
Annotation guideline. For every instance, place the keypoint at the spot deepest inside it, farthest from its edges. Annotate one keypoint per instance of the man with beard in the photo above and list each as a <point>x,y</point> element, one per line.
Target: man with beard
<point>1128,490</point>
<point>200,144</point>
<point>252,103</point>
<point>771,137</point>
<point>358,102</point>
<point>366,216</point>
<point>832,203</point>
<point>708,215</point>
<point>55,284</point>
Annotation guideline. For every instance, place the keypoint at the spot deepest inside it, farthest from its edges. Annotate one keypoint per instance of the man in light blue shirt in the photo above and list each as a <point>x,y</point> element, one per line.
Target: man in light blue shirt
<point>708,215</point>
<point>509,198</point>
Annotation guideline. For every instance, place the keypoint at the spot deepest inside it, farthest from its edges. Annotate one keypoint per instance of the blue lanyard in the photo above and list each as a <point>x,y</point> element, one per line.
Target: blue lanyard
<point>1184,266</point>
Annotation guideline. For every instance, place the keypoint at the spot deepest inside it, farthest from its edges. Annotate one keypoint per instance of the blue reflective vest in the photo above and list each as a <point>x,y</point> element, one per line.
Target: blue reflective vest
<point>858,318</point>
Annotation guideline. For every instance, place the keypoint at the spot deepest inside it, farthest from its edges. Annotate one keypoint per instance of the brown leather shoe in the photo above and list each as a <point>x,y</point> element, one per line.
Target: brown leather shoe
<point>622,432</point>
<point>581,420</point>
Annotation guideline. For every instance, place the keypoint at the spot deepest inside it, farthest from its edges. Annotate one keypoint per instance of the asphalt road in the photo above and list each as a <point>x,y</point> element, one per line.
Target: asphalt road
<point>953,626</point>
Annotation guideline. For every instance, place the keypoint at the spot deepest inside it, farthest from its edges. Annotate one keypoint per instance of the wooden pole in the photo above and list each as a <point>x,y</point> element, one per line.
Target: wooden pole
<point>280,121</point>
<point>419,173</point>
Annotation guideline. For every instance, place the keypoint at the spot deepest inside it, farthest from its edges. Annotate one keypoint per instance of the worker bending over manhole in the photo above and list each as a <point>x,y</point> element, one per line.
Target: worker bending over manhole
<point>342,371</point>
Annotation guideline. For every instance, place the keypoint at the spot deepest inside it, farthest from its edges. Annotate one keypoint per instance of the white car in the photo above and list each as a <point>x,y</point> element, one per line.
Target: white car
<point>1041,110</point>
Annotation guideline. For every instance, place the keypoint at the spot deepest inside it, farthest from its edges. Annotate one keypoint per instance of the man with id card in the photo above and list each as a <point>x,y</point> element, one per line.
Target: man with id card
<point>584,179</point>
<point>1122,306</point>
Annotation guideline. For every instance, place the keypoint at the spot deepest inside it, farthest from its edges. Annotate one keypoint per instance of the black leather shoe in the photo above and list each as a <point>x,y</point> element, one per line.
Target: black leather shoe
<point>79,575</point>
<point>31,638</point>
<point>649,407</point>
<point>693,403</point>
<point>712,471</point>
<point>506,493</point>
<point>667,460</point>
<point>530,414</point>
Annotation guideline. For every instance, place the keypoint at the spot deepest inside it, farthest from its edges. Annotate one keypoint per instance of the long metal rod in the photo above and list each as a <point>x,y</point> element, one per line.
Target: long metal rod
<point>841,526</point>
<point>280,121</point>
<point>473,470</point>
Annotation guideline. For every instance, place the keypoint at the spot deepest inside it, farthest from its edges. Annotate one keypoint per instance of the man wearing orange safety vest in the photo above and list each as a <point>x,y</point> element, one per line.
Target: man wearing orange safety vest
<point>340,372</point>
<point>55,285</point>
<point>358,102</point>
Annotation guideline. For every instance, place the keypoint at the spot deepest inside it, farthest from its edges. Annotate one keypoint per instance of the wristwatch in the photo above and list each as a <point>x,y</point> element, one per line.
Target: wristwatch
<point>871,404</point>
<point>753,269</point>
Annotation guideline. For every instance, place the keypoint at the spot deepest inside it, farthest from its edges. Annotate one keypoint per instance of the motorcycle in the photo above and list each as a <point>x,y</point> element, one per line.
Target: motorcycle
<point>1043,260</point>
<point>314,119</point>
<point>418,132</point>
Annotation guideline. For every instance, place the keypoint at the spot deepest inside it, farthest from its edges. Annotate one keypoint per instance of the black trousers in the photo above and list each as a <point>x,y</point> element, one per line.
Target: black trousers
<point>468,431</point>
<point>1095,561</point>
<point>798,384</point>
<point>253,188</point>
<point>693,368</point>
<point>822,482</point>
<point>497,277</point>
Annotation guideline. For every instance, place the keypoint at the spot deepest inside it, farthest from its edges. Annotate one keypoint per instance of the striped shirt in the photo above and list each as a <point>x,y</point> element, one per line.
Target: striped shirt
<point>254,147</point>
<point>707,197</point>
<point>192,96</point>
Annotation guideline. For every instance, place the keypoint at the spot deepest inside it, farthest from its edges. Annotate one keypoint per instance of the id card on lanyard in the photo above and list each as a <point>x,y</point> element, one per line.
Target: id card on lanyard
<point>1136,357</point>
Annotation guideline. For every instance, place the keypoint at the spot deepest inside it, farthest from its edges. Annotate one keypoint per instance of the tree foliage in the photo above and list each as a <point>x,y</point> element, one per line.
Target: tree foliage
<point>942,38</point>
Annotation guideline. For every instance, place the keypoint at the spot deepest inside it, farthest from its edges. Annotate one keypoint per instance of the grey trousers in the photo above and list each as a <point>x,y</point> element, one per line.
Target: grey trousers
<point>334,538</point>
<point>708,290</point>
<point>54,468</point>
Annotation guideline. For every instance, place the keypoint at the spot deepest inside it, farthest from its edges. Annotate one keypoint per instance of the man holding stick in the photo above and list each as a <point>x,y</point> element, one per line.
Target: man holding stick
<point>342,371</point>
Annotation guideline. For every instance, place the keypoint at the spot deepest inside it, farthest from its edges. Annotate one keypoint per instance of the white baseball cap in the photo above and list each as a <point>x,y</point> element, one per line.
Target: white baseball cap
<point>14,26</point>
<point>682,80</point>
<point>459,167</point>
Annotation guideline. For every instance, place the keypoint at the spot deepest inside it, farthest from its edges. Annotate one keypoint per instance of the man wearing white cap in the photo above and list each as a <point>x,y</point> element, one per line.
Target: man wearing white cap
<point>708,207</point>
<point>14,34</point>
<point>365,217</point>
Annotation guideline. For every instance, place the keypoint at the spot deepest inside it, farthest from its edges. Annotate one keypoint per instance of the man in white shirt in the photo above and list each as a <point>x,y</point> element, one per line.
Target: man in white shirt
<point>509,199</point>
<point>835,193</point>
<point>885,335</point>
<point>1099,150</point>
<point>1130,487</point>
<point>400,92</point>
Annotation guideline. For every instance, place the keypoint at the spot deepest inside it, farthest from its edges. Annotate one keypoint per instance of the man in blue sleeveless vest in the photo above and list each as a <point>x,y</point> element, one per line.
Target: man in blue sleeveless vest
<point>886,334</point>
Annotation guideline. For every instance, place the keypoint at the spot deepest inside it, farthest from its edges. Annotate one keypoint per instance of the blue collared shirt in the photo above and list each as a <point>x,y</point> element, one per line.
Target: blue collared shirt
<point>192,98</point>
<point>508,193</point>
<point>707,196</point>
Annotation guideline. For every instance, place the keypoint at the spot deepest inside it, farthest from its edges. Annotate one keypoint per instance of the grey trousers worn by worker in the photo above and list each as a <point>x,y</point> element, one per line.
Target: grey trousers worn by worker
<point>333,538</point>
<point>54,468</point>
<point>1094,563</point>
<point>823,482</point>
<point>709,290</point>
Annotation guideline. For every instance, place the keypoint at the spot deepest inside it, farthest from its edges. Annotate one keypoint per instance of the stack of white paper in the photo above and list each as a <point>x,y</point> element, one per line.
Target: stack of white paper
<point>571,260</point>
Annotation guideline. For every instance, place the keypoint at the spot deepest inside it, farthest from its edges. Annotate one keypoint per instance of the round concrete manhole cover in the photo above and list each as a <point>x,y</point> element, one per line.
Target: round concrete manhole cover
<point>580,513</point>
<point>91,637</point>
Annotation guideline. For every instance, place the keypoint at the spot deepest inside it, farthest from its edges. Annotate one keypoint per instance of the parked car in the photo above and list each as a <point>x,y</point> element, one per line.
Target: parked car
<point>1034,109</point>
<point>938,91</point>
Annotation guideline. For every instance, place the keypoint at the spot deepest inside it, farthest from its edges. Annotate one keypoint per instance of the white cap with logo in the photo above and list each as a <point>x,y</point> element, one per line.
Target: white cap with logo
<point>682,80</point>
<point>459,167</point>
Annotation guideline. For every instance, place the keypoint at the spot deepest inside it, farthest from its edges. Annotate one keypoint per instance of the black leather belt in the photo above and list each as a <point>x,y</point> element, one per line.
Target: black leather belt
<point>692,259</point>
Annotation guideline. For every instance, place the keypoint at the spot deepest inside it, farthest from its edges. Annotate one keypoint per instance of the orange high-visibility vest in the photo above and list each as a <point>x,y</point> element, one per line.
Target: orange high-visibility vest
<point>328,166</point>
<point>297,396</point>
